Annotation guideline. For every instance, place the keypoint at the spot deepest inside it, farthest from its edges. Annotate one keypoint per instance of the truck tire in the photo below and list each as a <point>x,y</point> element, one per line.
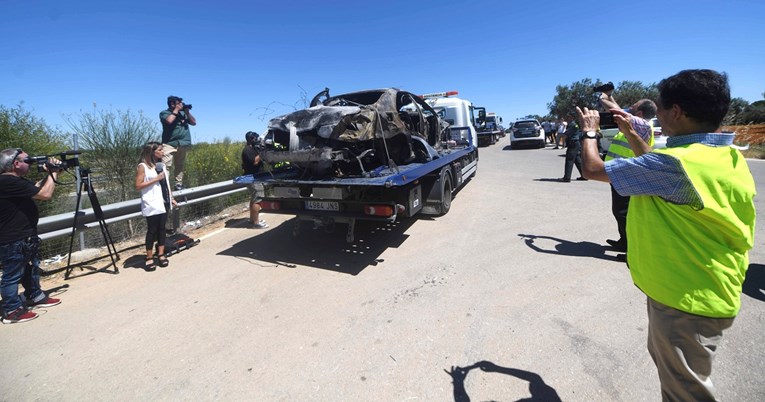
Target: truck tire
<point>446,192</point>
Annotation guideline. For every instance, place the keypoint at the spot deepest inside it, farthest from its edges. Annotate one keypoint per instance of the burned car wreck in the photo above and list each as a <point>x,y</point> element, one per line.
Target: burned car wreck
<point>353,134</point>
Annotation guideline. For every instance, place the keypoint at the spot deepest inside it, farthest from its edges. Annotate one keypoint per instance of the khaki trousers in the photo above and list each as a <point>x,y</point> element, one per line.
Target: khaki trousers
<point>683,347</point>
<point>175,156</point>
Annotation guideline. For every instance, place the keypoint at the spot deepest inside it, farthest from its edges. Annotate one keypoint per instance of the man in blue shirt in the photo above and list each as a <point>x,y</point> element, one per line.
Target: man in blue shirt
<point>697,197</point>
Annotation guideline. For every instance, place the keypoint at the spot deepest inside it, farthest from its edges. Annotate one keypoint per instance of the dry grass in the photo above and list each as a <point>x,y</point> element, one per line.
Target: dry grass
<point>752,134</point>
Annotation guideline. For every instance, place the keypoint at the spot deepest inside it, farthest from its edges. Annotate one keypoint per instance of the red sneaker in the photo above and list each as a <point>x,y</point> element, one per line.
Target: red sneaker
<point>45,302</point>
<point>19,315</point>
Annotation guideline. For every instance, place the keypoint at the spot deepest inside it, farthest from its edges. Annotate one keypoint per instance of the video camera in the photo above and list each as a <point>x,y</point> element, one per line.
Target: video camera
<point>186,106</point>
<point>42,161</point>
<point>608,86</point>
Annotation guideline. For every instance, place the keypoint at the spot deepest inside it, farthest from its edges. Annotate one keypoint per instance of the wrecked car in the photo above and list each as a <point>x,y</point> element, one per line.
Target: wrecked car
<point>353,134</point>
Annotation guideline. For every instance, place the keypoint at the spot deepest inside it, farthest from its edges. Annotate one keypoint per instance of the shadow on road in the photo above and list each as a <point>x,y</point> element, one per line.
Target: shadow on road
<point>754,284</point>
<point>537,387</point>
<point>569,248</point>
<point>318,249</point>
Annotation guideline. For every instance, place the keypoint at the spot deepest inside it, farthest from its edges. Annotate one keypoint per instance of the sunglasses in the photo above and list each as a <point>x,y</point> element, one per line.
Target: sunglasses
<point>16,155</point>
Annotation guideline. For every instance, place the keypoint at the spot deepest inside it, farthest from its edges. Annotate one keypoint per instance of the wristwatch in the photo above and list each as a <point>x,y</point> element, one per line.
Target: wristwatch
<point>590,134</point>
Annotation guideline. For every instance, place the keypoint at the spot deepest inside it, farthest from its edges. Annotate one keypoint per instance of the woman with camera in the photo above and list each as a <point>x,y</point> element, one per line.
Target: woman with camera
<point>156,201</point>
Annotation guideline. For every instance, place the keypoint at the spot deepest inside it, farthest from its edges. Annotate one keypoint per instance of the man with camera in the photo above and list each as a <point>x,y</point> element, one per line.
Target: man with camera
<point>252,164</point>
<point>176,136</point>
<point>19,243</point>
<point>697,197</point>
<point>641,113</point>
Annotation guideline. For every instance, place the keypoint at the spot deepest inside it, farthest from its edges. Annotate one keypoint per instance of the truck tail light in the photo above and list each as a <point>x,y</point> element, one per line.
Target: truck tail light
<point>269,205</point>
<point>378,210</point>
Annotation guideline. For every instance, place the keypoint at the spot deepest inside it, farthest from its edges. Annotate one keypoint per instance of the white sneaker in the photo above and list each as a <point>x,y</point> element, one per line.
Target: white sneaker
<point>260,225</point>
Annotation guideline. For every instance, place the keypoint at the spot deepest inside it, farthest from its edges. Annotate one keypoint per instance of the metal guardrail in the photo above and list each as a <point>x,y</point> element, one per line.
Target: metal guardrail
<point>54,226</point>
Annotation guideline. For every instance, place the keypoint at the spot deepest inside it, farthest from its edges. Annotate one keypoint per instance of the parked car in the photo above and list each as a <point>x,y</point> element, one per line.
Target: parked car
<point>527,132</point>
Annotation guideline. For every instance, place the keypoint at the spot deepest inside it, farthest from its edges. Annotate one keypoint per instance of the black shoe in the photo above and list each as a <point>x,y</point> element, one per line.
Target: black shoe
<point>564,180</point>
<point>581,179</point>
<point>618,245</point>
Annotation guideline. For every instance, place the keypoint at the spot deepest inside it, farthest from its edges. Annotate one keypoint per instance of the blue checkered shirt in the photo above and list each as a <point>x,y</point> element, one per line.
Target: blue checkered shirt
<point>661,175</point>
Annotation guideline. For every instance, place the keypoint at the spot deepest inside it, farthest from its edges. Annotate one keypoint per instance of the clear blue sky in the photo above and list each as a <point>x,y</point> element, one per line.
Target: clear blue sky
<point>242,62</point>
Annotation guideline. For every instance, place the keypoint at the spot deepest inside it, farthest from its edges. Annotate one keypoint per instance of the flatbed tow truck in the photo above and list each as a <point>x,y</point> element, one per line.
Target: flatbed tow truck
<point>386,193</point>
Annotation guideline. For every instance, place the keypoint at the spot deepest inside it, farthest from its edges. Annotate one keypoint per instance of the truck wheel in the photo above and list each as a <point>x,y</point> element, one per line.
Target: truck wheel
<point>446,193</point>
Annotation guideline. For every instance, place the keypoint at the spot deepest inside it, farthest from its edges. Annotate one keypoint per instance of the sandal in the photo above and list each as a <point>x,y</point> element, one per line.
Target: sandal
<point>163,261</point>
<point>149,265</point>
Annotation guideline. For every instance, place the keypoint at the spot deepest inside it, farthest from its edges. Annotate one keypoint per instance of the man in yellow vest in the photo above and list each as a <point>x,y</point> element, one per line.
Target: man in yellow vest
<point>642,112</point>
<point>697,196</point>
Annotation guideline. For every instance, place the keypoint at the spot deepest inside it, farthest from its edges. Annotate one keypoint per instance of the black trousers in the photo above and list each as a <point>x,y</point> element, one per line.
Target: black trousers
<point>155,230</point>
<point>619,206</point>
<point>573,157</point>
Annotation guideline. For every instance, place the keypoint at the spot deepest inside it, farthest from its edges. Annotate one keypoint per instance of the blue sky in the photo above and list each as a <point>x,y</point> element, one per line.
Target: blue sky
<point>242,62</point>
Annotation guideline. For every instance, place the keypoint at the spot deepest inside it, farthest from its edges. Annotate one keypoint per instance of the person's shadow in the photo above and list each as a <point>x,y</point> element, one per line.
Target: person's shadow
<point>569,248</point>
<point>539,390</point>
<point>754,284</point>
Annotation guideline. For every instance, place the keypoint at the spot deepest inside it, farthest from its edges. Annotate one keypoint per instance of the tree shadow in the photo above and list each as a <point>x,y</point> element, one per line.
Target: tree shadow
<point>754,284</point>
<point>322,250</point>
<point>569,248</point>
<point>539,390</point>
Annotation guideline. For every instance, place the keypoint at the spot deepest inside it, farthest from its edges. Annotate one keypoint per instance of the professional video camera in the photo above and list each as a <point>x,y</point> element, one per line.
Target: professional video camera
<point>608,86</point>
<point>66,163</point>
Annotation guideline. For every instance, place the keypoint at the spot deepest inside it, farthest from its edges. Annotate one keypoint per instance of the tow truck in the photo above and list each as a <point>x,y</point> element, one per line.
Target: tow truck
<point>386,192</point>
<point>489,129</point>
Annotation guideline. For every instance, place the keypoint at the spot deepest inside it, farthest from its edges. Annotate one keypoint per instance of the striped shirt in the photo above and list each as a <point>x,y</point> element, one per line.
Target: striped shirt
<point>662,175</point>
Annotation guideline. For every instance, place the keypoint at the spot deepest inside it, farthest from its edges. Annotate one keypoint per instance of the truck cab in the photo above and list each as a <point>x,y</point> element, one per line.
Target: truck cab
<point>459,113</point>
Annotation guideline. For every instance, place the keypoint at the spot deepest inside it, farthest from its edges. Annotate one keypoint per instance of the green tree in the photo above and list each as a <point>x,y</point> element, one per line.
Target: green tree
<point>212,163</point>
<point>568,97</point>
<point>627,93</point>
<point>580,93</point>
<point>19,128</point>
<point>112,144</point>
<point>737,107</point>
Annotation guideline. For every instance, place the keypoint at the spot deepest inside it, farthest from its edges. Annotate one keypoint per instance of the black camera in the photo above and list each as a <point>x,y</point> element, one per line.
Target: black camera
<point>66,163</point>
<point>608,86</point>
<point>187,106</point>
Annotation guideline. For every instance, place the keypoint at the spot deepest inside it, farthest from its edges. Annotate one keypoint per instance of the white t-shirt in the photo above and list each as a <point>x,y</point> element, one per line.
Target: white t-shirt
<point>152,202</point>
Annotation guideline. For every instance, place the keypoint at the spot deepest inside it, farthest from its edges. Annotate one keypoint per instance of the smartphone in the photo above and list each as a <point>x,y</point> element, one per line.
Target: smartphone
<point>607,121</point>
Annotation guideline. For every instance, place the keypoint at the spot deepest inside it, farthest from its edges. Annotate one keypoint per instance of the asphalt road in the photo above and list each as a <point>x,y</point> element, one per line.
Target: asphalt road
<point>511,295</point>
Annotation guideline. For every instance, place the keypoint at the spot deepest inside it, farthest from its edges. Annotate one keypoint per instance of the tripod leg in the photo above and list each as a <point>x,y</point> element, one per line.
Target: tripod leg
<point>74,231</point>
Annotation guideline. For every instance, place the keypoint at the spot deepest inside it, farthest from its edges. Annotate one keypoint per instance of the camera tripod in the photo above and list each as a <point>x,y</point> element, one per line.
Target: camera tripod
<point>87,186</point>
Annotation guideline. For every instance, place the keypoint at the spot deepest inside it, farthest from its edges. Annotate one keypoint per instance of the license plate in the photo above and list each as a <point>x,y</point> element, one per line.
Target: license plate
<point>322,205</point>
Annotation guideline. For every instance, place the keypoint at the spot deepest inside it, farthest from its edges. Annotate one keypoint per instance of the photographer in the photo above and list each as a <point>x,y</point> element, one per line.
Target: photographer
<point>176,136</point>
<point>606,96</point>
<point>251,164</point>
<point>19,243</point>
<point>640,113</point>
<point>697,196</point>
